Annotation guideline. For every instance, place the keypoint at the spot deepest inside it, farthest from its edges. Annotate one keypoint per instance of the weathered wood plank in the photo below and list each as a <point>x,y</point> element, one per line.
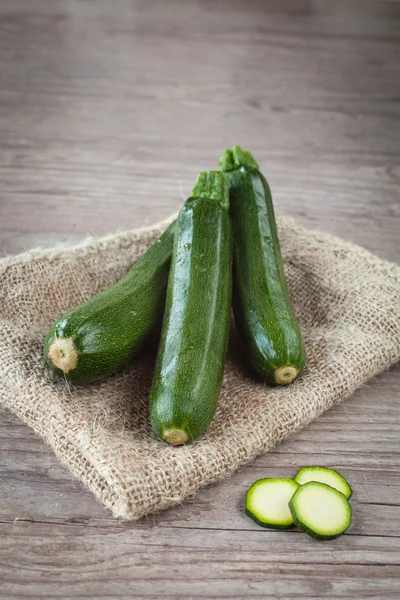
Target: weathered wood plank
<point>141,561</point>
<point>86,140</point>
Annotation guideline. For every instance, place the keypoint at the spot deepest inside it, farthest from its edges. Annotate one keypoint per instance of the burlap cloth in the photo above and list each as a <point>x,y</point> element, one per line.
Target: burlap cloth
<point>348,305</point>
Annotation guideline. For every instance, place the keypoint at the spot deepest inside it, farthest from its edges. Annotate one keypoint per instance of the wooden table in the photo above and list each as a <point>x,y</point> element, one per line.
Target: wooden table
<point>107,112</point>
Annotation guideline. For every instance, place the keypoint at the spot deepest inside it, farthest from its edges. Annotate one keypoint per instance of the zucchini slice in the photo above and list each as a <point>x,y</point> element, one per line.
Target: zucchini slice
<point>267,502</point>
<point>324,475</point>
<point>320,510</point>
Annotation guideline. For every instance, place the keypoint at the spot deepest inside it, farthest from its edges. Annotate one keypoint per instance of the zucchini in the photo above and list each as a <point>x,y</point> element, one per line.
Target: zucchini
<point>262,308</point>
<point>324,475</point>
<point>194,338</point>
<point>320,511</point>
<point>100,336</point>
<point>267,502</point>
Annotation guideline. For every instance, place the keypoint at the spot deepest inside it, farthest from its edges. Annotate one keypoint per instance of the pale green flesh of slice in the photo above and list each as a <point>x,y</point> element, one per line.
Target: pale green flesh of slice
<point>269,502</point>
<point>324,475</point>
<point>322,511</point>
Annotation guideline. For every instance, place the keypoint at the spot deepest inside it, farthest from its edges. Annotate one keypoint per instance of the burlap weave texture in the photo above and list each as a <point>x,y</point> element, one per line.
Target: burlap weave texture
<point>348,305</point>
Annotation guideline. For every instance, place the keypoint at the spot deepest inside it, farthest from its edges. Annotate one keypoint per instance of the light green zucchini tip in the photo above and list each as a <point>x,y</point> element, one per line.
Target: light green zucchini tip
<point>212,185</point>
<point>236,158</point>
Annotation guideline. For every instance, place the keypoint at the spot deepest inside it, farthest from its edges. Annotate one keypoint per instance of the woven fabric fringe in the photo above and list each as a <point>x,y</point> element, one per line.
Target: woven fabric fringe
<point>348,305</point>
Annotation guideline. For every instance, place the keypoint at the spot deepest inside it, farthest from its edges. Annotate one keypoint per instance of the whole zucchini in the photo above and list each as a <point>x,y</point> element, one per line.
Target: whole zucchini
<point>100,336</point>
<point>262,308</point>
<point>194,338</point>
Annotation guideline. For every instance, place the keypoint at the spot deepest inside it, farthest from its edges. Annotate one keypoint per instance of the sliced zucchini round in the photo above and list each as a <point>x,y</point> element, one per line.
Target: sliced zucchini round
<point>267,502</point>
<point>324,475</point>
<point>320,510</point>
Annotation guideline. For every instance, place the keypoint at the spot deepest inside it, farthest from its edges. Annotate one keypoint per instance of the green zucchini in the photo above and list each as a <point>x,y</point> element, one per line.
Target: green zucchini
<point>100,336</point>
<point>262,308</point>
<point>194,339</point>
<point>324,475</point>
<point>320,510</point>
<point>267,502</point>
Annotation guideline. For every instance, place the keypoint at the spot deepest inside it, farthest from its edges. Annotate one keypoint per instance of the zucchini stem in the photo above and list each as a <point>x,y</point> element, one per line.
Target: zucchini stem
<point>63,354</point>
<point>212,185</point>
<point>236,158</point>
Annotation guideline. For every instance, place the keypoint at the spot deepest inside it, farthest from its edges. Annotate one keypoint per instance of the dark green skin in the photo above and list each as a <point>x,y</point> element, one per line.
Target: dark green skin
<point>111,327</point>
<point>267,525</point>
<point>262,308</point>
<point>194,340</point>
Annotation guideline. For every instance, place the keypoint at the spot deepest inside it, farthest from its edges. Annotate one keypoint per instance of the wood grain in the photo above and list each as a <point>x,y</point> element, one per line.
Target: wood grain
<point>107,112</point>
